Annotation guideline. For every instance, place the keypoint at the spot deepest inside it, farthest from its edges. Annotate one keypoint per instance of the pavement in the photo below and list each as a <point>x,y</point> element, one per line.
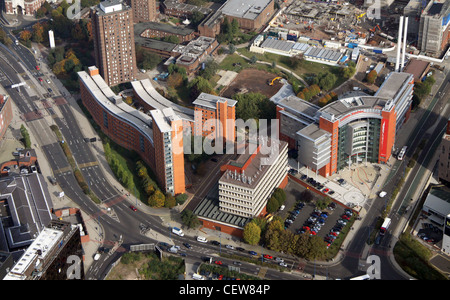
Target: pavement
<point>94,229</point>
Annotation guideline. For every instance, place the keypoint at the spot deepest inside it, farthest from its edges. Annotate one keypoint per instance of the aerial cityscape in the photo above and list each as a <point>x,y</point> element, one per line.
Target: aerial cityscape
<point>215,140</point>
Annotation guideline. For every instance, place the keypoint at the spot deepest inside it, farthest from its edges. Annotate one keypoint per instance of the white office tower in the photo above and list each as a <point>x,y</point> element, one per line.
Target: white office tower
<point>51,39</point>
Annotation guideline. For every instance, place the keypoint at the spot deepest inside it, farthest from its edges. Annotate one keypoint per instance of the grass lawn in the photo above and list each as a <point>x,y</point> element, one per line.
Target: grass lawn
<point>413,257</point>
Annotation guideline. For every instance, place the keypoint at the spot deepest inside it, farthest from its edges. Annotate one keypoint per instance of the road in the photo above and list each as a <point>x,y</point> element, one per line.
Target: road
<point>123,231</point>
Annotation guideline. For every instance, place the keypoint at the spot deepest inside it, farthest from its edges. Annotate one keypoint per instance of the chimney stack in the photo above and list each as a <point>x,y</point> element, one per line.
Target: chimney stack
<point>399,45</point>
<point>405,33</point>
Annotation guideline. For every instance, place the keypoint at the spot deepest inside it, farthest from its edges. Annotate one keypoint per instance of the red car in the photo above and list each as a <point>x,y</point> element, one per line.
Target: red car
<point>345,217</point>
<point>133,208</point>
<point>37,68</point>
<point>267,256</point>
<point>40,79</point>
<point>326,190</point>
<point>218,262</point>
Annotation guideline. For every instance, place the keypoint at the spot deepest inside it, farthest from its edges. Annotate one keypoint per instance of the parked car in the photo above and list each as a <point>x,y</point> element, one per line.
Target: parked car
<point>283,264</point>
<point>229,247</point>
<point>187,245</point>
<point>252,253</point>
<point>218,262</point>
<point>133,208</point>
<point>267,256</point>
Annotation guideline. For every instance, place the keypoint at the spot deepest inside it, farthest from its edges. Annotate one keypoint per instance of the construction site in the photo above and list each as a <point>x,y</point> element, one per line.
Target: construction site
<point>335,22</point>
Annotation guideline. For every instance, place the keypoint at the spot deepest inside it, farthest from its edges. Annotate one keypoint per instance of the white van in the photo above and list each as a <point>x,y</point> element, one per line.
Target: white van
<point>202,239</point>
<point>177,231</point>
<point>197,277</point>
<point>382,194</point>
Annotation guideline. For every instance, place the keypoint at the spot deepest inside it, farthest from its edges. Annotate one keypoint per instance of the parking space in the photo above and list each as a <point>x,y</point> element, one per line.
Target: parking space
<point>430,233</point>
<point>307,213</point>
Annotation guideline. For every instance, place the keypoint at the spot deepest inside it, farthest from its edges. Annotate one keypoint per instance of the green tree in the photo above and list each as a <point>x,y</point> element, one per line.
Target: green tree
<point>189,219</point>
<point>272,205</point>
<point>252,233</point>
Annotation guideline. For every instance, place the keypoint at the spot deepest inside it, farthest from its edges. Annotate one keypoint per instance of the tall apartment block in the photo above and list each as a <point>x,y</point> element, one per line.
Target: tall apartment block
<point>143,10</point>
<point>157,137</point>
<point>112,24</point>
<point>169,155</point>
<point>434,29</point>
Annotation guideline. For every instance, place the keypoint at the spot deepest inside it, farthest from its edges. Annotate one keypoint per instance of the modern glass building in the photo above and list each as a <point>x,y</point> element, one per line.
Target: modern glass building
<point>355,128</point>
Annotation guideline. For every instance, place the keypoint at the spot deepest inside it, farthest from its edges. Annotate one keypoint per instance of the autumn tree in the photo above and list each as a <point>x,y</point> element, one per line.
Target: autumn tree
<point>157,199</point>
<point>371,77</point>
<point>25,35</point>
<point>252,233</point>
<point>38,33</point>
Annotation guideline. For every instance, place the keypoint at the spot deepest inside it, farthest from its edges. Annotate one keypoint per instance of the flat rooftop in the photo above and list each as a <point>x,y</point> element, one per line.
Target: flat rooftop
<point>139,28</point>
<point>392,84</point>
<point>252,171</point>
<point>210,101</point>
<point>103,94</point>
<point>246,9</point>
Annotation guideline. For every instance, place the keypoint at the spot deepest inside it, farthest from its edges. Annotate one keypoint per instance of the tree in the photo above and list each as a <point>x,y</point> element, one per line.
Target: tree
<point>38,33</point>
<point>25,35</point>
<point>272,205</point>
<point>200,85</point>
<point>175,80</point>
<point>252,233</point>
<point>170,201</point>
<point>189,219</point>
<point>371,77</point>
<point>327,81</point>
<point>157,199</point>
<point>210,70</point>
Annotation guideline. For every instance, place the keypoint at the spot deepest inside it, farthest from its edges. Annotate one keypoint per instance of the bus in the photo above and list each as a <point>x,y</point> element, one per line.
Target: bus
<point>402,153</point>
<point>385,226</point>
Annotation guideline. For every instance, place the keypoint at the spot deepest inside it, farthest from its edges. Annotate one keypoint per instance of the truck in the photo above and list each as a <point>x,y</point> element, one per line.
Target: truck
<point>385,226</point>
<point>177,231</point>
